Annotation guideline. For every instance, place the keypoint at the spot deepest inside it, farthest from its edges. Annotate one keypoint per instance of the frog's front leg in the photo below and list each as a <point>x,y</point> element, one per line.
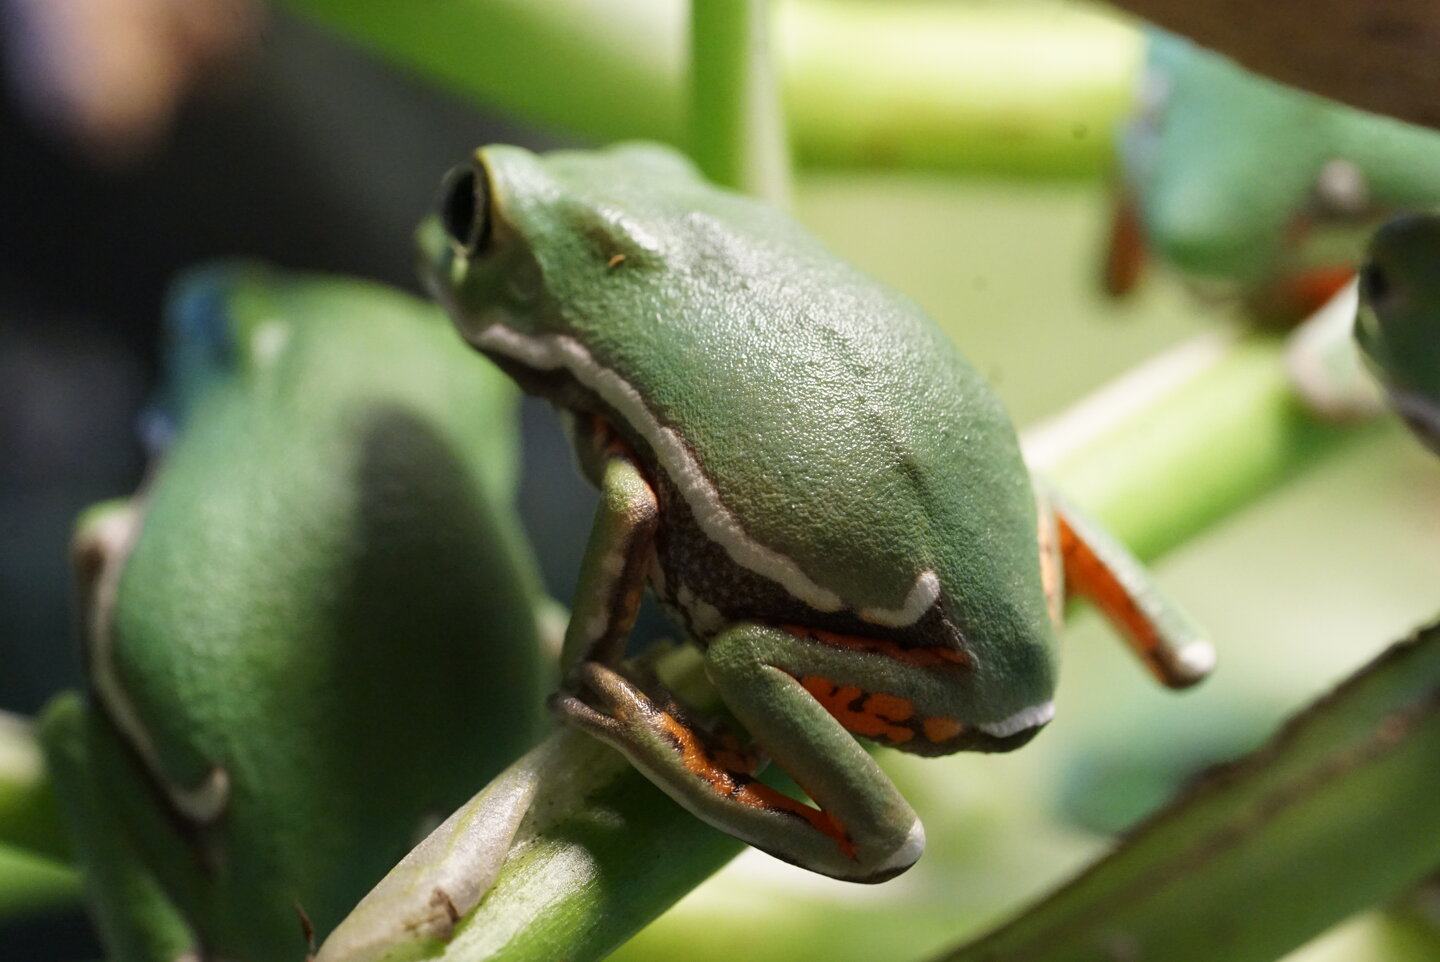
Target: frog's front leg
<point>774,683</point>
<point>1100,569</point>
<point>617,557</point>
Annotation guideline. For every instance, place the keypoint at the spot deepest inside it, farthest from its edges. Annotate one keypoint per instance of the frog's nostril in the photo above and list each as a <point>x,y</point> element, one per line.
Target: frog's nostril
<point>464,208</point>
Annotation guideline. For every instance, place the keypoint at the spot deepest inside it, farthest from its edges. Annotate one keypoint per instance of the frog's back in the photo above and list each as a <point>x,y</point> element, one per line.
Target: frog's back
<point>816,423</point>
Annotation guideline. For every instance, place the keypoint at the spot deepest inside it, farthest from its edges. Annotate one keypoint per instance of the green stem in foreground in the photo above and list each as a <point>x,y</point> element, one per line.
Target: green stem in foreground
<point>1338,812</point>
<point>737,124</point>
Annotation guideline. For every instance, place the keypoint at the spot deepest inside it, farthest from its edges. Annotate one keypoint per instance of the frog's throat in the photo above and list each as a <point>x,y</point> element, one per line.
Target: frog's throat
<point>554,352</point>
<point>115,536</point>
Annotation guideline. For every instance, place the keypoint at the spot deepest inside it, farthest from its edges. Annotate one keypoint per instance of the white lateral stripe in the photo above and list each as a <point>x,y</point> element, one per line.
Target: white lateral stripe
<point>922,595</point>
<point>555,351</point>
<point>1032,717</point>
<point>204,802</point>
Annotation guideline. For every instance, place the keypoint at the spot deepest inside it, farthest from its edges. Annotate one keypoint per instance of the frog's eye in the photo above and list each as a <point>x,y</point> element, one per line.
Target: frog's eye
<point>465,208</point>
<point>1374,284</point>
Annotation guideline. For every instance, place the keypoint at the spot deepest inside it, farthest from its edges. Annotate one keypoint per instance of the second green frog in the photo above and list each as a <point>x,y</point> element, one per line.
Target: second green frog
<point>820,491</point>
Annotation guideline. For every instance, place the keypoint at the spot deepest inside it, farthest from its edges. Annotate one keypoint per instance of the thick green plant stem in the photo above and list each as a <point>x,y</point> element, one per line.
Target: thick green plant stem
<point>737,125</point>
<point>1336,813</point>
<point>1033,89</point>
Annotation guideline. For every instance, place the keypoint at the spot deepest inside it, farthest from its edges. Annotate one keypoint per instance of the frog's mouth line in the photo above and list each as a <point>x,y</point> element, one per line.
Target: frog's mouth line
<point>551,352</point>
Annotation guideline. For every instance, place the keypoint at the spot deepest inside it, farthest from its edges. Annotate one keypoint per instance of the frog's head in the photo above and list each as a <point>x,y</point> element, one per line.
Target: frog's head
<point>518,238</point>
<point>1398,325</point>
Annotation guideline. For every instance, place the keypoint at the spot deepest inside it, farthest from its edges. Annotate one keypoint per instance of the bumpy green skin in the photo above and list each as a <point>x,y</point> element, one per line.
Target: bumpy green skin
<point>328,598</point>
<point>836,423</point>
<point>1224,164</point>
<point>1398,327</point>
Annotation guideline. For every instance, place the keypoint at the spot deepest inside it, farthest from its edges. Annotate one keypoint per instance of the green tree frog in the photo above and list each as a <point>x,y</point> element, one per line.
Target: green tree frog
<point>1398,324</point>
<point>1255,190</point>
<point>311,633</point>
<point>819,490</point>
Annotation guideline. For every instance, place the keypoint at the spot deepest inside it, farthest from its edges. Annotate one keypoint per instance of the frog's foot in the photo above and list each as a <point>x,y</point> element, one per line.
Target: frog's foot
<point>862,829</point>
<point>621,713</point>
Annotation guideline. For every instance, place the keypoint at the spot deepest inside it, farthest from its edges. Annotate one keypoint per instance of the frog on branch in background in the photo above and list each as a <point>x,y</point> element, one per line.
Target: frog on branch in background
<point>820,491</point>
<point>1255,191</point>
<point>1398,324</point>
<point>310,635</point>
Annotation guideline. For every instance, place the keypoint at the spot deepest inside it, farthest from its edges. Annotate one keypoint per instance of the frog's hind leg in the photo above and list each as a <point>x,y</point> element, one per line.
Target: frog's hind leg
<point>1100,569</point>
<point>136,918</point>
<point>862,830</point>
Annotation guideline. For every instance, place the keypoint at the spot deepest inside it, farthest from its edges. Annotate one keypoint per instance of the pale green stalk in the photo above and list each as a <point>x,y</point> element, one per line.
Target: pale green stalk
<point>1028,89</point>
<point>737,124</point>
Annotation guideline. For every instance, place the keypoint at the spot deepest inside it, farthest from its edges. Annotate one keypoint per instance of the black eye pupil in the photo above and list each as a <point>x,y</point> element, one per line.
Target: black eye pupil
<point>464,210</point>
<point>1374,283</point>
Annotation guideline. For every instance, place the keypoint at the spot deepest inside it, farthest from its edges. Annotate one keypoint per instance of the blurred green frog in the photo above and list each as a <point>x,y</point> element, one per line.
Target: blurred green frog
<point>1255,191</point>
<point>313,632</point>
